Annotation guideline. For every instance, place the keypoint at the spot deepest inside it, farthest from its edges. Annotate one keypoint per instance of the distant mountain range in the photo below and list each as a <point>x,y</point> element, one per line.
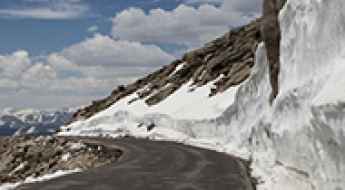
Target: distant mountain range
<point>29,121</point>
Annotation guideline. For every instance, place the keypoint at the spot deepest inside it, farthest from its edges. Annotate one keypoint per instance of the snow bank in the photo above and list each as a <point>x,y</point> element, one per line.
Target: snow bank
<point>297,143</point>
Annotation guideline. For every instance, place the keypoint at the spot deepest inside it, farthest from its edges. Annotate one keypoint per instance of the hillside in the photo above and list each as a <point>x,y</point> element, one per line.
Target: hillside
<point>220,65</point>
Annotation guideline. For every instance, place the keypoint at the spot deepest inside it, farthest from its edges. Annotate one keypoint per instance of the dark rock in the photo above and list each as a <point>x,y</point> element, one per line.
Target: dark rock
<point>151,126</point>
<point>161,95</point>
<point>271,35</point>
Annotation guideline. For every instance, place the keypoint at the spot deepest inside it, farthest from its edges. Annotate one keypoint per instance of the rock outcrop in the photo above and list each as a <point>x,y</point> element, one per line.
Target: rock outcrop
<point>23,157</point>
<point>272,35</point>
<point>226,62</point>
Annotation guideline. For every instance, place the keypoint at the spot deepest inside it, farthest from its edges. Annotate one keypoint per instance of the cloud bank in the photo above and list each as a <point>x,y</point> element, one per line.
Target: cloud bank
<point>90,68</point>
<point>185,25</point>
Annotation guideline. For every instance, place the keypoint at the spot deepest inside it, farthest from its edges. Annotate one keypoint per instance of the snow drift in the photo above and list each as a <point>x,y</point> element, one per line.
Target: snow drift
<point>298,142</point>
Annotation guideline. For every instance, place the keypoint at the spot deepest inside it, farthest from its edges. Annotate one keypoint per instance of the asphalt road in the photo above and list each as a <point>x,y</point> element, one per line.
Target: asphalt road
<point>149,165</point>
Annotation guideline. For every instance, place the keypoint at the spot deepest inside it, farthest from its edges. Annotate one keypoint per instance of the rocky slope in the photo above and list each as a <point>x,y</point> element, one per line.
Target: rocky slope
<point>19,122</point>
<point>23,157</point>
<point>226,62</point>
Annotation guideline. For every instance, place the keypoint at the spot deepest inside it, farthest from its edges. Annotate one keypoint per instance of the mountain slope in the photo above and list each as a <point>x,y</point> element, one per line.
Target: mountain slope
<point>225,62</point>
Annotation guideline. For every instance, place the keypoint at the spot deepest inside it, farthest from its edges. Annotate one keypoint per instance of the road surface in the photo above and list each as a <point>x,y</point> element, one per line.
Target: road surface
<point>149,165</point>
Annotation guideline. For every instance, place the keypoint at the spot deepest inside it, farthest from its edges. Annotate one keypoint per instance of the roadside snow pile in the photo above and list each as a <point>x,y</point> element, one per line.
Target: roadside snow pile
<point>298,142</point>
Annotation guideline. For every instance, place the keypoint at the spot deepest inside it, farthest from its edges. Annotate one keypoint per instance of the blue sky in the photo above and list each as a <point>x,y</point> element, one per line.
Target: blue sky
<point>42,35</point>
<point>65,53</point>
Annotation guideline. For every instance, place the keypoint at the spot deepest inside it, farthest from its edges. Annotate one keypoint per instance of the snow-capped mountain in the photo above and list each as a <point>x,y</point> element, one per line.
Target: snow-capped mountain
<point>214,98</point>
<point>29,121</point>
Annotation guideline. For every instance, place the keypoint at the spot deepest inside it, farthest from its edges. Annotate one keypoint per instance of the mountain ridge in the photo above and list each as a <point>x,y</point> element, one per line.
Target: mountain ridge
<point>30,121</point>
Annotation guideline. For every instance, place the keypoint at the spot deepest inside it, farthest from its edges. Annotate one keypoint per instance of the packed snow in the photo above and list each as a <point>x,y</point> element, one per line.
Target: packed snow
<point>297,143</point>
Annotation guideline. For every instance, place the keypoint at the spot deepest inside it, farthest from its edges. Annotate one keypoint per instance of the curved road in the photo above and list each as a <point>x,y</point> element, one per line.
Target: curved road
<point>150,165</point>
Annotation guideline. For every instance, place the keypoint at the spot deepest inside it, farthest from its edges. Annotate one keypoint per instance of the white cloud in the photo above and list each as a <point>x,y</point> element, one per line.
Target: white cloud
<point>93,29</point>
<point>89,69</point>
<point>41,13</point>
<point>48,10</point>
<point>203,1</point>
<point>246,7</point>
<point>12,66</point>
<point>38,76</point>
<point>186,25</point>
<point>105,51</point>
<point>17,71</point>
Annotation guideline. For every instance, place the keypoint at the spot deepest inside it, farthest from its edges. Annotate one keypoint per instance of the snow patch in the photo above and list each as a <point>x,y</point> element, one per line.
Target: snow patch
<point>9,186</point>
